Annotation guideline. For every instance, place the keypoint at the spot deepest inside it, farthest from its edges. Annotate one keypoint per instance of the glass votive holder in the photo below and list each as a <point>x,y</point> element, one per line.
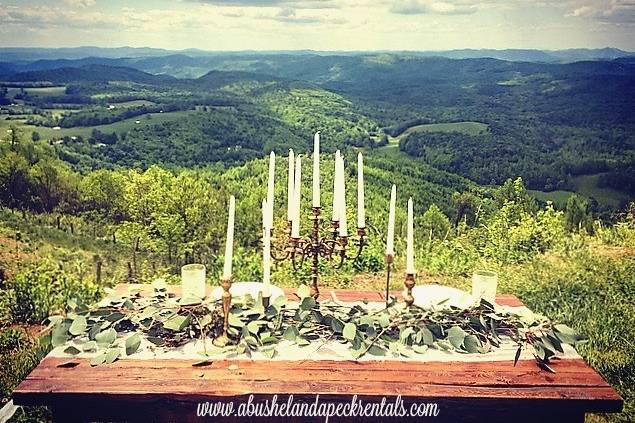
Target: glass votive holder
<point>484,285</point>
<point>193,281</point>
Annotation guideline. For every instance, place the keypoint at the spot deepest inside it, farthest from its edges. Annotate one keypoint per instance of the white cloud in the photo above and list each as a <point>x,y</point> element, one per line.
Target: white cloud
<point>615,11</point>
<point>418,7</point>
<point>80,3</point>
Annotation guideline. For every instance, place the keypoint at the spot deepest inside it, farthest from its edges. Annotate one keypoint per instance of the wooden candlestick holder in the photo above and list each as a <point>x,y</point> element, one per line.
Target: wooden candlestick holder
<point>223,339</point>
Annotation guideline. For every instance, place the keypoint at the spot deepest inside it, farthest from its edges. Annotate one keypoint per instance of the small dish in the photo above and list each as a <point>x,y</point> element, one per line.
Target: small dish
<point>239,289</point>
<point>440,297</point>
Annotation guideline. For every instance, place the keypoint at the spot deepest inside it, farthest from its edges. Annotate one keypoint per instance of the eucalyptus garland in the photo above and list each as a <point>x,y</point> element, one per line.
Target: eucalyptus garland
<point>395,330</point>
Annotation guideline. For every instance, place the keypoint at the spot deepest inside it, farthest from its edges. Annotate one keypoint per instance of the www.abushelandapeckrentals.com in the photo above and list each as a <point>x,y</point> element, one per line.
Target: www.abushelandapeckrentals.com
<point>279,407</point>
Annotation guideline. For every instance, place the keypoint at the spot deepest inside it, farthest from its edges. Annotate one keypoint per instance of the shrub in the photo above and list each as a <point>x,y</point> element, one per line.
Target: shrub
<point>43,288</point>
<point>10,340</point>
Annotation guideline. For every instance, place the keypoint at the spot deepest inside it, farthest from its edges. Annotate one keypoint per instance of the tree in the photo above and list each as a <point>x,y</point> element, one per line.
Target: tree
<point>103,191</point>
<point>15,183</point>
<point>35,136</point>
<point>435,223</point>
<point>577,213</point>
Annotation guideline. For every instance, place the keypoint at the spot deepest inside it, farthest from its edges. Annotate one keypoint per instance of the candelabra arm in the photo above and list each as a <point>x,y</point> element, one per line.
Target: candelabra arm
<point>361,243</point>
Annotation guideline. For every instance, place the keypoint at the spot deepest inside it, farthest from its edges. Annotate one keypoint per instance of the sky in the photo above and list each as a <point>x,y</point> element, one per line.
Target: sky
<point>319,24</point>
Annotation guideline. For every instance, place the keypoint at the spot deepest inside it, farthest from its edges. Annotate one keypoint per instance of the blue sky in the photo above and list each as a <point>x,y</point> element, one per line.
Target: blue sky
<point>319,24</point>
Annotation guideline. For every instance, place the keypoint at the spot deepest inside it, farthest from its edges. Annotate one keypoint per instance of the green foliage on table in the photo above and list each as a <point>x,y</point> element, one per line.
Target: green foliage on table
<point>115,327</point>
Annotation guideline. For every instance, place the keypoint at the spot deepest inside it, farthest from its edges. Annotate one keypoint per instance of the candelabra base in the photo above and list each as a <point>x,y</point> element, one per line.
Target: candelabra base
<point>221,341</point>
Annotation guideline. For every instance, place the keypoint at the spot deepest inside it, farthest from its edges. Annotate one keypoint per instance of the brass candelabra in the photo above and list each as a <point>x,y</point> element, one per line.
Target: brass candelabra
<point>322,242</point>
<point>409,282</point>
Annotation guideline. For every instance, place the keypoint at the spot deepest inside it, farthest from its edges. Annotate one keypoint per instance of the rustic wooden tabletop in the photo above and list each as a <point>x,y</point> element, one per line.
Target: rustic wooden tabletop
<point>169,389</point>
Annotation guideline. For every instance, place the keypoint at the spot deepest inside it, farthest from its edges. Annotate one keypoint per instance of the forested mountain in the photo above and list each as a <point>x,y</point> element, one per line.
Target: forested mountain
<point>482,118</point>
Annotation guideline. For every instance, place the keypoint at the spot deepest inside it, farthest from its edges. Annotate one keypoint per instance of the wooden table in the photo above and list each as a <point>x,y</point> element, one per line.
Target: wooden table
<point>169,390</point>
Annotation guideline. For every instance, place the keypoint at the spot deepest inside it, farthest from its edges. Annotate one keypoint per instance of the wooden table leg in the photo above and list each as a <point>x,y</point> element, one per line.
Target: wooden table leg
<point>65,415</point>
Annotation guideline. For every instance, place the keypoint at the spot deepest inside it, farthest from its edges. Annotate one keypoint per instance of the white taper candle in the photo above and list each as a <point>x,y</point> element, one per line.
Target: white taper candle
<point>297,191</point>
<point>410,249</point>
<point>270,187</point>
<point>266,257</point>
<point>361,211</point>
<point>290,206</point>
<point>229,243</point>
<point>342,200</point>
<point>316,170</point>
<point>390,239</point>
<point>336,217</point>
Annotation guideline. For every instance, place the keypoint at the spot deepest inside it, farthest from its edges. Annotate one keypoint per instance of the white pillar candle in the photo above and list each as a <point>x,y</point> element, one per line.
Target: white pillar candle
<point>270,187</point>
<point>336,217</point>
<point>193,281</point>
<point>266,259</point>
<point>361,212</point>
<point>316,170</point>
<point>390,239</point>
<point>290,206</point>
<point>342,200</point>
<point>229,243</point>
<point>410,249</point>
<point>297,190</point>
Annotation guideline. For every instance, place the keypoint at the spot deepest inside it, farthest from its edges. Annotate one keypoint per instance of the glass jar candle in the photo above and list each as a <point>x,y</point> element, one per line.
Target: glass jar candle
<point>484,286</point>
<point>193,281</point>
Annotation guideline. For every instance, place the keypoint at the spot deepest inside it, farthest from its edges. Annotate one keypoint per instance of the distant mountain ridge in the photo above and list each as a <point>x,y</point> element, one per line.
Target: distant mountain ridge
<point>89,73</point>
<point>13,54</point>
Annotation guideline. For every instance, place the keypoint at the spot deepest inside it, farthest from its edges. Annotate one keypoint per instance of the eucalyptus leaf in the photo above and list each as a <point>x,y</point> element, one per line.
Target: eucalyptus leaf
<point>132,344</point>
<point>472,344</point>
<point>303,291</point>
<point>71,350</point>
<point>291,333</point>
<point>307,303</point>
<point>106,337</point>
<point>59,335</point>
<point>89,346</point>
<point>112,355</point>
<point>177,323</point>
<point>98,359</point>
<point>456,336</point>
<point>78,326</point>
<point>426,336</point>
<point>337,325</point>
<point>349,331</point>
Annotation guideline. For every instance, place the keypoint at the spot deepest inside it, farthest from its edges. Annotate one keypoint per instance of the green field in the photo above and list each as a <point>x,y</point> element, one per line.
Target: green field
<point>133,103</point>
<point>55,90</point>
<point>468,128</point>
<point>118,127</point>
<point>558,198</point>
<point>586,185</point>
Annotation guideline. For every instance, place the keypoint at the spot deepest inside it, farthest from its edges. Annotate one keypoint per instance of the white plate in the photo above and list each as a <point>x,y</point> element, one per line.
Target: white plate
<point>239,289</point>
<point>439,297</point>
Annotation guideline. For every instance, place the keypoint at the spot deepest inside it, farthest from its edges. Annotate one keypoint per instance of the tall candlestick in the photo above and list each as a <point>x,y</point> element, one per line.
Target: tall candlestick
<point>390,239</point>
<point>229,243</point>
<point>410,251</point>
<point>266,258</point>
<point>316,170</point>
<point>342,200</point>
<point>361,212</point>
<point>290,206</point>
<point>336,182</point>
<point>270,187</point>
<point>297,190</point>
